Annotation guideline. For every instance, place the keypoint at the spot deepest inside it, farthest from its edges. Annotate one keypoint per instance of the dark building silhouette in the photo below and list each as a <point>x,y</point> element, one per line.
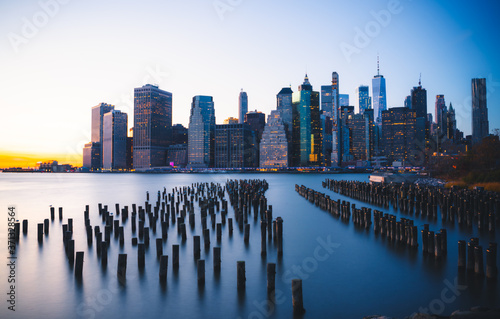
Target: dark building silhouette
<point>398,134</point>
<point>235,146</point>
<point>480,123</point>
<point>179,134</point>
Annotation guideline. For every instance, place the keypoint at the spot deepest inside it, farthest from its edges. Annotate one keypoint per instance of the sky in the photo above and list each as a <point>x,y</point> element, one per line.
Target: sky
<point>59,58</point>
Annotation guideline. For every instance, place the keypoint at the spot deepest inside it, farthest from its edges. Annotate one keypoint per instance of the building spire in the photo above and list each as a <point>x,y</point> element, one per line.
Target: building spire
<point>306,80</point>
<point>378,65</point>
<point>420,80</point>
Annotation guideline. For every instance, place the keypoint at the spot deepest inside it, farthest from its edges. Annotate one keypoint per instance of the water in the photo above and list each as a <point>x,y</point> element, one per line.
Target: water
<point>347,273</point>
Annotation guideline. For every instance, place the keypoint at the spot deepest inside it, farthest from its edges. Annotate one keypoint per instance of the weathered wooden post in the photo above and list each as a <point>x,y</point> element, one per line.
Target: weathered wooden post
<point>219,232</point>
<point>25,226</point>
<point>60,213</point>
<point>491,261</point>
<point>279,235</point>
<point>141,255</point>
<point>159,247</point>
<point>461,255</point>
<point>104,254</point>
<point>79,264</point>
<point>263,242</point>
<point>146,236</point>
<point>247,233</point>
<point>206,237</point>
<point>217,259</point>
<point>163,268</point>
<point>70,224</point>
<point>52,212</point>
<point>271,277</point>
<point>240,270</point>
<point>40,232</point>
<point>297,301</point>
<point>478,260</point>
<point>71,250</point>
<point>122,267</point>
<point>230,226</point>
<point>175,256</point>
<point>196,247</point>
<point>122,235</point>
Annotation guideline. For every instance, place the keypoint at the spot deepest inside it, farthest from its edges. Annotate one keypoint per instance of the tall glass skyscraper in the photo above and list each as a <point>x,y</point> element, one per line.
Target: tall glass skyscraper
<point>201,133</point>
<point>284,106</point>
<point>379,95</point>
<point>115,140</point>
<point>307,135</point>
<point>152,126</point>
<point>327,99</point>
<point>235,146</point>
<point>364,99</point>
<point>480,123</point>
<point>98,112</point>
<point>242,106</point>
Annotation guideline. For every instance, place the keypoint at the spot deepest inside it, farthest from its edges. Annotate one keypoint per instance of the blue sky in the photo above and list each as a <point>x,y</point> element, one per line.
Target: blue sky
<point>60,58</point>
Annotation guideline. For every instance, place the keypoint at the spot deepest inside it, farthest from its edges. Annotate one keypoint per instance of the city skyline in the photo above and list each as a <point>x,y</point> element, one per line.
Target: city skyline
<point>68,66</point>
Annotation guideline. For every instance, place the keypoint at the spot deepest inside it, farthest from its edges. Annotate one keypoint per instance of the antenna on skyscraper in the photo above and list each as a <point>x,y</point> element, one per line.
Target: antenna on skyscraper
<point>420,80</point>
<point>378,65</point>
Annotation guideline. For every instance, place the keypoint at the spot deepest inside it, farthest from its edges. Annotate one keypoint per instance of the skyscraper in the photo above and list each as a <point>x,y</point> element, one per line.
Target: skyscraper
<point>379,95</point>
<point>307,135</point>
<point>235,146</point>
<point>91,156</point>
<point>327,99</point>
<point>480,124</point>
<point>179,134</point>
<point>201,132</point>
<point>440,113</point>
<point>335,158</point>
<point>364,99</point>
<point>242,106</point>
<point>97,126</point>
<point>419,100</point>
<point>257,121</point>
<point>343,100</point>
<point>114,148</point>
<point>152,126</point>
<point>398,133</point>
<point>451,123</point>
<point>274,144</point>
<point>284,106</point>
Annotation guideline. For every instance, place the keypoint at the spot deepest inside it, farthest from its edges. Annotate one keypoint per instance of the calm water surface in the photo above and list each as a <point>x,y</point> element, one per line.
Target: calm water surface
<point>346,272</point>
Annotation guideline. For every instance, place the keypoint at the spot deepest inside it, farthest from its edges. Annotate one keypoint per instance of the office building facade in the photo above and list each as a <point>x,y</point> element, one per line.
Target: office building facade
<point>152,126</point>
<point>114,148</point>
<point>201,133</point>
<point>273,148</point>
<point>480,123</point>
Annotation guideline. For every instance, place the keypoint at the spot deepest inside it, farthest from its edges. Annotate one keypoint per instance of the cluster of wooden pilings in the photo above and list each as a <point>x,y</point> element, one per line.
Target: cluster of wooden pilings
<point>171,208</point>
<point>470,258</point>
<point>468,207</point>
<point>402,232</point>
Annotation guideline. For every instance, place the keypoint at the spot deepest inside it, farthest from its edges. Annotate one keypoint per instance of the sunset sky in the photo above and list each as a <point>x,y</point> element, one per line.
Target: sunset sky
<point>60,58</point>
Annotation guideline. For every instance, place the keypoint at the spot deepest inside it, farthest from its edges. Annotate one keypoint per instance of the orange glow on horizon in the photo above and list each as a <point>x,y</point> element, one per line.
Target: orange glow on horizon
<point>25,160</point>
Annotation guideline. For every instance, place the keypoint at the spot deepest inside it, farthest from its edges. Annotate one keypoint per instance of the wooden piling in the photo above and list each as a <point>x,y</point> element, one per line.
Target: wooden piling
<point>60,213</point>
<point>241,279</point>
<point>217,259</point>
<point>141,255</point>
<point>297,301</point>
<point>461,254</point>
<point>104,254</point>
<point>79,264</point>
<point>279,235</point>
<point>163,268</point>
<point>478,260</point>
<point>25,226</point>
<point>122,266</point>
<point>40,232</point>
<point>271,277</point>
<point>263,242</point>
<point>491,261</point>
<point>52,212</point>
<point>230,225</point>
<point>71,250</point>
<point>247,233</point>
<point>196,247</point>
<point>175,256</point>
<point>159,247</point>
